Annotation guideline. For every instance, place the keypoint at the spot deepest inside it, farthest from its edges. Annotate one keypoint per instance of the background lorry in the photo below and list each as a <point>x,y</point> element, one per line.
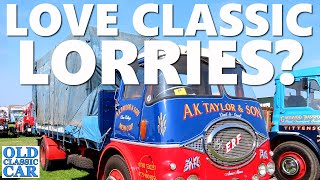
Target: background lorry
<point>4,127</point>
<point>15,113</point>
<point>151,131</point>
<point>294,124</point>
<point>25,125</point>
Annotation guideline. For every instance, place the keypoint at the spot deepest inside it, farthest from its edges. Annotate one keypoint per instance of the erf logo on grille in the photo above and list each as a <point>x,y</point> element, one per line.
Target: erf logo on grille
<point>233,143</point>
<point>20,162</point>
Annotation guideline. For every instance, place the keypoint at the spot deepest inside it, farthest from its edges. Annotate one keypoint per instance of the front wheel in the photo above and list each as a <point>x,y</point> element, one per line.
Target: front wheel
<point>116,169</point>
<point>295,161</point>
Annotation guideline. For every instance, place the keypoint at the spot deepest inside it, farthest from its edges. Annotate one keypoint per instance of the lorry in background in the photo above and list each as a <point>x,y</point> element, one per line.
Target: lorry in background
<point>4,127</point>
<point>15,113</point>
<point>25,125</point>
<point>152,131</point>
<point>295,126</point>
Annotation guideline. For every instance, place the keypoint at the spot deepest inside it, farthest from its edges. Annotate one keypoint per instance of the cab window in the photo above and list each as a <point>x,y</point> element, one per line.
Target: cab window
<point>295,95</point>
<point>135,91</point>
<point>314,95</point>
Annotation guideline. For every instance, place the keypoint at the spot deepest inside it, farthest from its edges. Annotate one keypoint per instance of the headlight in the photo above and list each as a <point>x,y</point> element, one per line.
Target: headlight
<point>179,178</point>
<point>193,177</point>
<point>255,177</point>
<point>173,166</point>
<point>262,170</point>
<point>271,168</point>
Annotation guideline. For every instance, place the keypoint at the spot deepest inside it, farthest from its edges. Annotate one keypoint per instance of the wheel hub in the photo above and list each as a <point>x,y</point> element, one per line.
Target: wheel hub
<point>115,174</point>
<point>290,166</point>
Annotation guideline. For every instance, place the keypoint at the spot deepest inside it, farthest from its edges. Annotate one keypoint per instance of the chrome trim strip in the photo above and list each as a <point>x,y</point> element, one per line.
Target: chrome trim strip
<point>192,140</point>
<point>259,145</point>
<point>147,144</point>
<point>283,132</point>
<point>259,134</point>
<point>185,145</point>
<point>231,167</point>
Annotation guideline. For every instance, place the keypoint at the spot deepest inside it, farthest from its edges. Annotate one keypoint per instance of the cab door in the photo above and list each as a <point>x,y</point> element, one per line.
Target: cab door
<point>301,106</point>
<point>128,109</point>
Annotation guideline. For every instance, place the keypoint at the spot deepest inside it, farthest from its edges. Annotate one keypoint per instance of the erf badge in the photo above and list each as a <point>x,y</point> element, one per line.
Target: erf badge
<point>20,162</point>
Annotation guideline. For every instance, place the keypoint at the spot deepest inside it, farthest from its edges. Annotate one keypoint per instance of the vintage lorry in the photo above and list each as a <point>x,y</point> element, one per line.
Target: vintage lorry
<point>25,124</point>
<point>152,131</point>
<point>4,127</point>
<point>15,113</point>
<point>295,125</point>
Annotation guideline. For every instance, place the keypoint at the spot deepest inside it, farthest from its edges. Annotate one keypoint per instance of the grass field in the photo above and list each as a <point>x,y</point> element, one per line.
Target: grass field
<point>58,174</point>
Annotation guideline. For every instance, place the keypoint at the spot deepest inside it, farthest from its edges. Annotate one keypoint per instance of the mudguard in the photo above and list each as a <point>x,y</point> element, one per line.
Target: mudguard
<point>53,152</point>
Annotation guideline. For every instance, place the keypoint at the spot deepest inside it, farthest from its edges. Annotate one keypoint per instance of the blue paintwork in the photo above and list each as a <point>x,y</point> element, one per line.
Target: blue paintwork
<point>178,130</point>
<point>311,136</point>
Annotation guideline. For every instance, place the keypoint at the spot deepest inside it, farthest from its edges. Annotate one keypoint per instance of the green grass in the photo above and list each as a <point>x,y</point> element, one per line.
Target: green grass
<point>58,174</point>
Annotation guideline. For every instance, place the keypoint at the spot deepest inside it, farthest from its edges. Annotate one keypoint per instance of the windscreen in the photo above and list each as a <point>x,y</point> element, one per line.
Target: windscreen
<point>163,90</point>
<point>17,114</point>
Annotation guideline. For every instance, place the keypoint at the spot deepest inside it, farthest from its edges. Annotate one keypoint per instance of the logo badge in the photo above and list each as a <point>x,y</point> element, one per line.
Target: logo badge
<point>162,121</point>
<point>20,162</point>
<point>217,144</point>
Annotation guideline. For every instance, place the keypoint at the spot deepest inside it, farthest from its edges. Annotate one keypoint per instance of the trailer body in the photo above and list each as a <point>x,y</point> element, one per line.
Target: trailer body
<point>295,127</point>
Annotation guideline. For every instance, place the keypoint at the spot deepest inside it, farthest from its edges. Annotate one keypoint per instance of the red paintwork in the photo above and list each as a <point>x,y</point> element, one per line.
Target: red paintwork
<point>116,174</point>
<point>302,163</point>
<point>53,152</point>
<point>162,157</point>
<point>42,156</point>
<point>28,120</point>
<point>127,155</point>
<point>2,120</point>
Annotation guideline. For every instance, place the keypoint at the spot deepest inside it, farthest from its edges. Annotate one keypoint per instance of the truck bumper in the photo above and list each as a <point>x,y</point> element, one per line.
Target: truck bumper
<point>174,163</point>
<point>4,129</point>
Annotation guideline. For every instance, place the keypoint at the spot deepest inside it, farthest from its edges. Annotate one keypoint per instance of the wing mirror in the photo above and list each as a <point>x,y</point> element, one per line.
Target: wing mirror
<point>304,83</point>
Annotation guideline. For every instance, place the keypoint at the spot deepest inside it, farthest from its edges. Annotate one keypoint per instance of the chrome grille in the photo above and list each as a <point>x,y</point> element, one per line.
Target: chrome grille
<point>225,132</point>
<point>260,140</point>
<point>196,145</point>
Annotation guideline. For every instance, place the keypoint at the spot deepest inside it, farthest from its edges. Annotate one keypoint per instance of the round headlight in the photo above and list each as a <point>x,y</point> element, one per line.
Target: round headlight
<point>173,166</point>
<point>255,177</point>
<point>193,177</point>
<point>262,170</point>
<point>271,153</point>
<point>271,168</point>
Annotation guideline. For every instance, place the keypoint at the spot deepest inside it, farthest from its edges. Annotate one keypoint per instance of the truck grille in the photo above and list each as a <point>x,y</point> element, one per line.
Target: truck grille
<point>230,142</point>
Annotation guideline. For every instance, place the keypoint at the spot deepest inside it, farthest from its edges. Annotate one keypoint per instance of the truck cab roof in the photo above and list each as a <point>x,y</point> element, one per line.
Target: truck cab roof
<point>303,72</point>
<point>183,51</point>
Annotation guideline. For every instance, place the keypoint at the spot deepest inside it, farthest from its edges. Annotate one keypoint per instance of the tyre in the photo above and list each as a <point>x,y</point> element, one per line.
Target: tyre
<point>295,161</point>
<point>80,162</point>
<point>116,169</point>
<point>45,163</point>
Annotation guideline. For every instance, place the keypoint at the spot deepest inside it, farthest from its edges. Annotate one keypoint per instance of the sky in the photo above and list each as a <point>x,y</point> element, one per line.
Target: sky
<point>11,92</point>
